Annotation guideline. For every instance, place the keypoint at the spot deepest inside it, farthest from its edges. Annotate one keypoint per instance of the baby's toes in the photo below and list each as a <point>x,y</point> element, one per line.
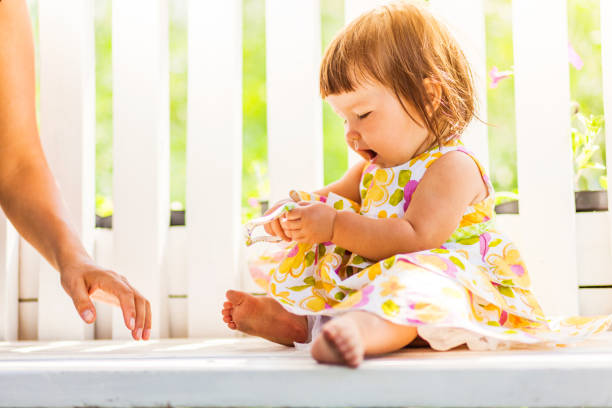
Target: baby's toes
<point>344,345</point>
<point>353,359</point>
<point>331,333</point>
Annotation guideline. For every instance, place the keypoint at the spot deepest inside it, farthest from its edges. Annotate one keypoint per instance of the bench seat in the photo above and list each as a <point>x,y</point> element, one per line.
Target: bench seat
<point>252,372</point>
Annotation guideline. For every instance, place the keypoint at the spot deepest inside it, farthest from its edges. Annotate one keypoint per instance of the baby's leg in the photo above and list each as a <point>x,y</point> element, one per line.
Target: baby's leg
<point>264,317</point>
<point>347,338</point>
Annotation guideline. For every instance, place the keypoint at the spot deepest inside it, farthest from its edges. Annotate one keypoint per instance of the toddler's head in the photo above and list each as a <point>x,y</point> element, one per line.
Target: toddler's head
<point>404,48</point>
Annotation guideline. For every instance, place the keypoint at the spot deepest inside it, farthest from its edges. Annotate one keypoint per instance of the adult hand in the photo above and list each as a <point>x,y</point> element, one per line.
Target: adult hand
<point>29,195</point>
<point>85,279</point>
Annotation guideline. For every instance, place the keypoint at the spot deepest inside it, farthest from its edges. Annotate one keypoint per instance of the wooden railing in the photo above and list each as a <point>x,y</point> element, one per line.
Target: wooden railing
<point>185,271</point>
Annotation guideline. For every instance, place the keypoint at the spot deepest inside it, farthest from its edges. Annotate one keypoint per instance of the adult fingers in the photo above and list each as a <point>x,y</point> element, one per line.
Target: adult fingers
<point>147,327</point>
<point>125,294</point>
<point>80,297</point>
<point>141,313</point>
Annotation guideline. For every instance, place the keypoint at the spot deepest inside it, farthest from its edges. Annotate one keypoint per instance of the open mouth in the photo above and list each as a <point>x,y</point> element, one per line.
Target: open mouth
<point>370,153</point>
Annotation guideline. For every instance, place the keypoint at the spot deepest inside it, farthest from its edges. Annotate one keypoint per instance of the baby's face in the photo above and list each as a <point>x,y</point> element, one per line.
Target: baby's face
<point>377,127</point>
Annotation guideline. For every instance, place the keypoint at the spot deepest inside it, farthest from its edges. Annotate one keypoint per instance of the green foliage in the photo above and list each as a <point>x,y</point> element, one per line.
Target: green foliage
<point>255,182</point>
<point>585,89</point>
<point>104,108</point>
<point>500,101</point>
<point>585,134</point>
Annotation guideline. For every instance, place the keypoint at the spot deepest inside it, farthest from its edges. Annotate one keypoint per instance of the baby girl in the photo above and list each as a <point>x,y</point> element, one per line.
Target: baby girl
<point>403,248</point>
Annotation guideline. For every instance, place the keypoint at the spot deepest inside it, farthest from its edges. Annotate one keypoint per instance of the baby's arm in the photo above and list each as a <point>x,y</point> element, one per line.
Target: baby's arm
<point>450,184</point>
<point>348,185</point>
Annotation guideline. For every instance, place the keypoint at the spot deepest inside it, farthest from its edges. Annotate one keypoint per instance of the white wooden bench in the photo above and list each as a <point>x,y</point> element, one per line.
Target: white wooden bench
<point>185,271</point>
<point>252,372</point>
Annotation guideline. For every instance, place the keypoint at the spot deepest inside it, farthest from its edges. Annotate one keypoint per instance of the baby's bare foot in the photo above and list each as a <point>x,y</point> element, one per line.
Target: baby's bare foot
<point>340,342</point>
<point>264,317</point>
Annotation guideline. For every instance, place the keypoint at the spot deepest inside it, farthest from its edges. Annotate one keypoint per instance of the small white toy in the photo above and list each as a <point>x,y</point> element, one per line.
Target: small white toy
<point>250,226</point>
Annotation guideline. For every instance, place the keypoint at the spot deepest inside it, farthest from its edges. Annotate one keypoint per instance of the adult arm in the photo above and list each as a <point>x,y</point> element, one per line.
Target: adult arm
<point>29,194</point>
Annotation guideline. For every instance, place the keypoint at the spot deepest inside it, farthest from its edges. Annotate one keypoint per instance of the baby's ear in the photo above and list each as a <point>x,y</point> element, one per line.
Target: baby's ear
<point>434,95</point>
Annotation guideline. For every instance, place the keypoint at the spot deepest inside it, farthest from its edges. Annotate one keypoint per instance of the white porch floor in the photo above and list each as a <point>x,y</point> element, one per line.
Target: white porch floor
<point>252,372</point>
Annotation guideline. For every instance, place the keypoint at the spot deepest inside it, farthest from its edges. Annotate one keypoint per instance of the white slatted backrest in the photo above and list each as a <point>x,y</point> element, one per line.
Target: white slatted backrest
<point>606,69</point>
<point>466,21</point>
<point>352,10</point>
<point>547,209</point>
<point>29,270</point>
<point>140,150</point>
<point>293,53</point>
<point>214,160</point>
<point>67,101</point>
<point>9,283</point>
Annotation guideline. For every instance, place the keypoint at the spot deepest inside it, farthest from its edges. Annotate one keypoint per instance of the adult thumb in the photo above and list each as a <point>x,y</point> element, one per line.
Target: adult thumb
<point>82,303</point>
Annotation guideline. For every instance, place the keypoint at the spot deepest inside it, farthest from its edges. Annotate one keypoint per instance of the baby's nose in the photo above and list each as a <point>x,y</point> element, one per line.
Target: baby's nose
<point>352,138</point>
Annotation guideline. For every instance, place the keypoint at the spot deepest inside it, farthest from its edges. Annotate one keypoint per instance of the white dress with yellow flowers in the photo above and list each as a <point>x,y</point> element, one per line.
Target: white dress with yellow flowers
<point>474,289</point>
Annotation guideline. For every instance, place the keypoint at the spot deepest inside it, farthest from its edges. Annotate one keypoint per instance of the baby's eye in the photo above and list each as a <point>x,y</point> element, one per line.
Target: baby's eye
<point>365,115</point>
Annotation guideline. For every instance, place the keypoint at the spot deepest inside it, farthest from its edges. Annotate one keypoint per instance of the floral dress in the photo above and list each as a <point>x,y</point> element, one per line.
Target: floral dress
<point>474,289</point>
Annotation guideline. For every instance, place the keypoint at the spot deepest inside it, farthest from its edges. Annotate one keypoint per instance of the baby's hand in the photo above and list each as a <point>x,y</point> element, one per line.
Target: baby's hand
<point>310,222</point>
<point>274,227</point>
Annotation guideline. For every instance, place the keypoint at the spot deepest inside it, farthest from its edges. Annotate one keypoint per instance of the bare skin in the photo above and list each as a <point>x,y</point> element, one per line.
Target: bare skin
<point>378,128</point>
<point>345,340</point>
<point>349,338</point>
<point>29,195</point>
<point>263,317</point>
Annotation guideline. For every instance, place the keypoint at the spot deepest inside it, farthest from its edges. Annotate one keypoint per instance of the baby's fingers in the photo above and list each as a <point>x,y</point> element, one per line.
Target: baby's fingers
<point>291,225</point>
<point>268,229</point>
<point>278,230</point>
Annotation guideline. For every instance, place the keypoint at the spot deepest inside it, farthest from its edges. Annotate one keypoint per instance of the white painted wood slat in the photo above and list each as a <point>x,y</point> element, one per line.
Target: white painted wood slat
<point>67,106</point>
<point>354,8</point>
<point>175,277</point>
<point>295,136</point>
<point>29,268</point>
<point>466,20</point>
<point>9,280</point>
<point>544,152</point>
<point>595,301</point>
<point>606,70</point>
<point>593,249</point>
<point>140,150</point>
<point>103,255</point>
<point>214,161</point>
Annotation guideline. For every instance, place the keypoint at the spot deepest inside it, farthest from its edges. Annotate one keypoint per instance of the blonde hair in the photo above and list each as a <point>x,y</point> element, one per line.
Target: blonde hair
<point>399,45</point>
